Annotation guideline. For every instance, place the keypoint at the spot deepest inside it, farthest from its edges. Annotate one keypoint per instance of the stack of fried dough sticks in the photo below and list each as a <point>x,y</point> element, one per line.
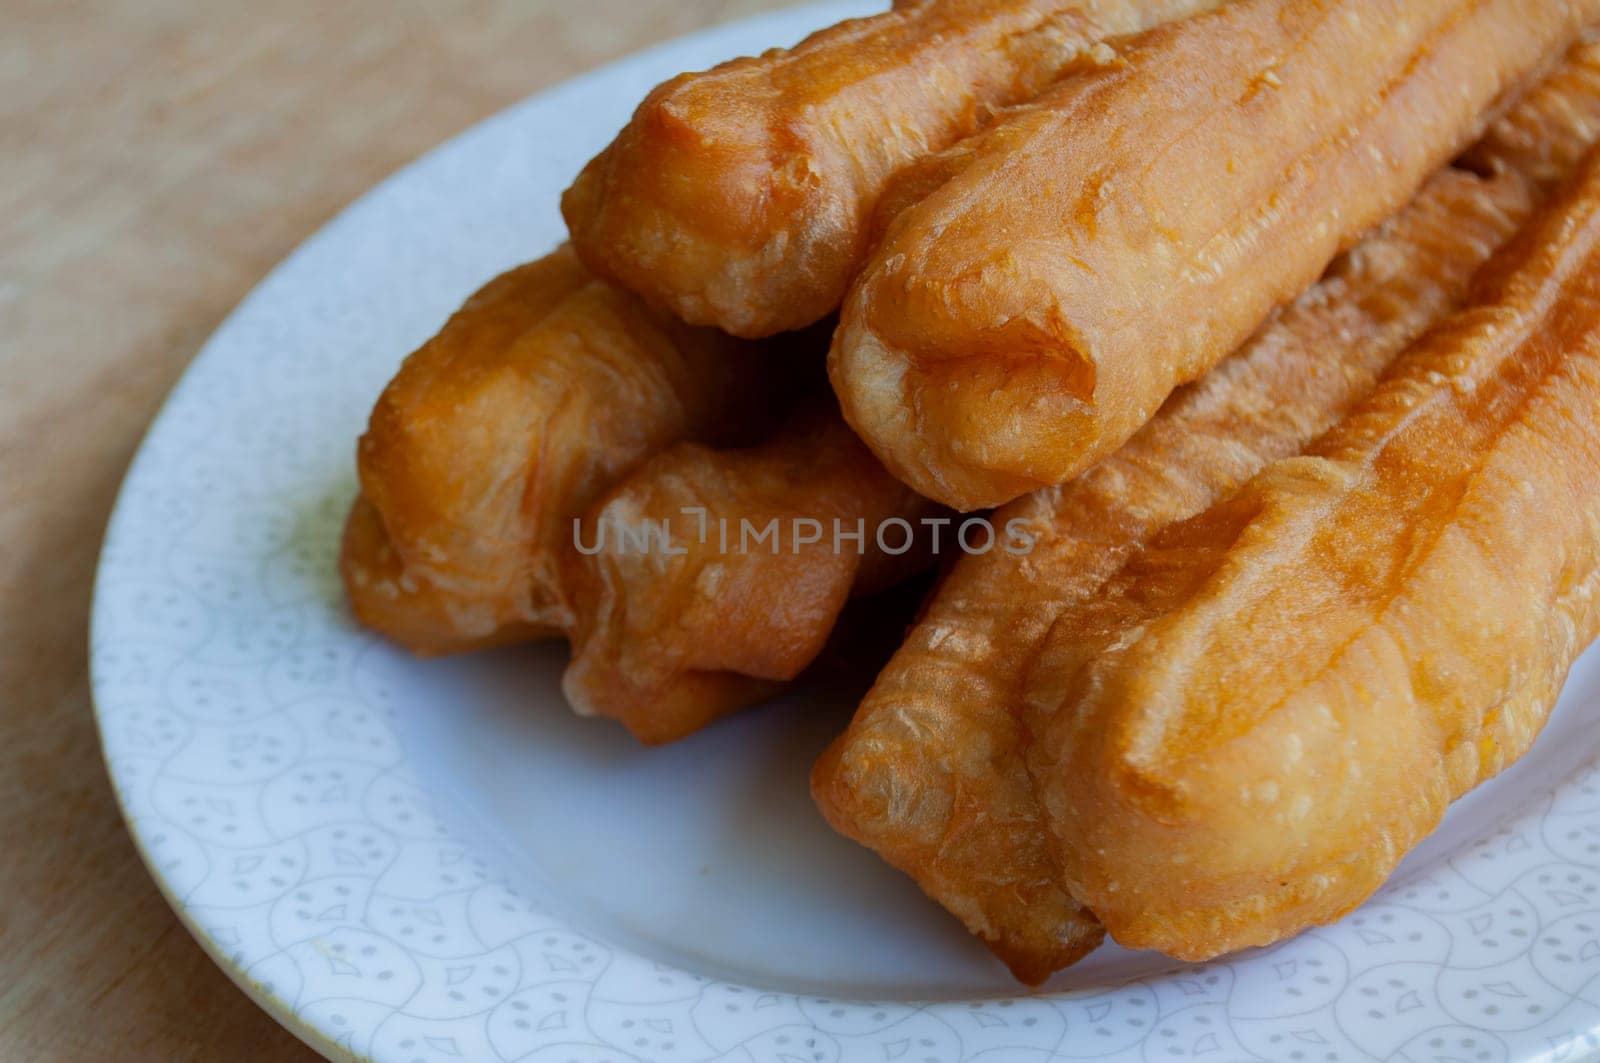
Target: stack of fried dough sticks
<point>1273,326</point>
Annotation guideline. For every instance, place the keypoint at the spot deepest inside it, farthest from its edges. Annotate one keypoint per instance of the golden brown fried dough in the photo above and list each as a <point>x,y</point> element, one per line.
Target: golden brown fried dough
<point>417,613</point>
<point>544,388</point>
<point>694,588</point>
<point>930,773</point>
<point>1552,124</point>
<point>739,197</point>
<point>1277,699</point>
<point>1126,230</point>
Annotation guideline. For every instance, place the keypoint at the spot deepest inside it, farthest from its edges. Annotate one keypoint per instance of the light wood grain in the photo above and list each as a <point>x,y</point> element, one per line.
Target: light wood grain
<point>156,158</point>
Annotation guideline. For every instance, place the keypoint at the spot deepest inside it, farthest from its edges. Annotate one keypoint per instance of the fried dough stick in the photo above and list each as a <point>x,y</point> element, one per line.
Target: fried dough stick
<point>930,773</point>
<point>1278,699</point>
<point>696,591</point>
<point>536,395</point>
<point>1123,232</point>
<point>739,197</point>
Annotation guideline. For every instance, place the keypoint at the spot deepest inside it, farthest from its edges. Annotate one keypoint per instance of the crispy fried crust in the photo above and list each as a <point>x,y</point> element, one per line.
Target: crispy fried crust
<point>1552,124</point>
<point>417,613</point>
<point>536,395</point>
<point>1123,232</point>
<point>1277,699</point>
<point>689,606</point>
<point>930,773</point>
<point>739,197</point>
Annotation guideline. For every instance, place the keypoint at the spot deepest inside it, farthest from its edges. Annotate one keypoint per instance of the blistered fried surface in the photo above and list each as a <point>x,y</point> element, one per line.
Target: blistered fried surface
<point>695,590</point>
<point>1278,698</point>
<point>1552,125</point>
<point>1122,233</point>
<point>544,388</point>
<point>930,773</point>
<point>739,197</point>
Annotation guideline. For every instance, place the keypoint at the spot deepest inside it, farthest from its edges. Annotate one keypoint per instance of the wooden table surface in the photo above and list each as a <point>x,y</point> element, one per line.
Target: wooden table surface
<point>156,158</point>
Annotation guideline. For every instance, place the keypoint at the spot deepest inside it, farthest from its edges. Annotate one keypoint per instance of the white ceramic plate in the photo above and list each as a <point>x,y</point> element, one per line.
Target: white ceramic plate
<point>434,861</point>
